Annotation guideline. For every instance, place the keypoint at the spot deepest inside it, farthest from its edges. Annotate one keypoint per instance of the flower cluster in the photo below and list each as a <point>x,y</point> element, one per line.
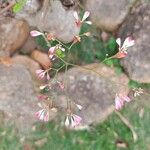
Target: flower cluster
<point>57,50</point>
<point>46,106</point>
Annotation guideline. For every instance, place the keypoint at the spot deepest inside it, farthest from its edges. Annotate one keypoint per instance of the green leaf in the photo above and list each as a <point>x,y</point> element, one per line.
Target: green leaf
<point>60,53</point>
<point>19,6</point>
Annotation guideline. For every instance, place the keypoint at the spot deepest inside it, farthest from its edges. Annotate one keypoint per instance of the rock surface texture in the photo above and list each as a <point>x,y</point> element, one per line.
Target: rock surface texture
<point>13,34</point>
<point>108,15</point>
<point>17,96</point>
<point>137,63</point>
<point>95,90</point>
<point>52,17</point>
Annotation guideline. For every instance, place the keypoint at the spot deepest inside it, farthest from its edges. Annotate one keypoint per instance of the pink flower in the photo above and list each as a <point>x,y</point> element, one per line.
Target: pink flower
<point>72,121</point>
<point>76,120</point>
<point>120,101</point>
<point>42,115</point>
<point>42,97</point>
<point>80,21</point>
<point>126,98</point>
<point>35,33</point>
<point>51,52</point>
<point>123,49</point>
<point>40,73</point>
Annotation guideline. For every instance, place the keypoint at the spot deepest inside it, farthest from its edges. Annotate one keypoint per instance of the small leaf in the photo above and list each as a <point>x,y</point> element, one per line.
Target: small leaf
<point>19,6</point>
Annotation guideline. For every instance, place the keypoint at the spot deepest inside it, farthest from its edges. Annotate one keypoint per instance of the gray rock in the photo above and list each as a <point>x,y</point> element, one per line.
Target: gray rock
<point>53,18</point>
<point>17,97</point>
<point>13,34</point>
<point>108,15</point>
<point>94,90</point>
<point>29,63</point>
<point>137,63</point>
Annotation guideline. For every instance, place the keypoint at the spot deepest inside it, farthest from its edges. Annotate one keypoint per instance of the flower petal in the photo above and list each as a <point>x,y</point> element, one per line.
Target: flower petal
<point>67,122</point>
<point>77,119</point>
<point>126,98</point>
<point>118,41</point>
<point>46,117</point>
<point>128,42</point>
<point>39,71</point>
<point>47,76</point>
<point>76,16</point>
<point>88,22</point>
<point>39,113</point>
<point>118,103</point>
<point>85,16</point>
<point>52,49</point>
<point>35,33</point>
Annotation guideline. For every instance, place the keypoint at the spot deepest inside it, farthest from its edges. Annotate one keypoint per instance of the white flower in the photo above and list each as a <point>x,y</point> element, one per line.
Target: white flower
<point>42,115</point>
<point>123,49</point>
<point>80,21</point>
<point>35,33</point>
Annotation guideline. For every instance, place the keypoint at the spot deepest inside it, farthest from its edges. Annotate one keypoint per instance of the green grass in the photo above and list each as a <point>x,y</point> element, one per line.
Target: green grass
<point>100,137</point>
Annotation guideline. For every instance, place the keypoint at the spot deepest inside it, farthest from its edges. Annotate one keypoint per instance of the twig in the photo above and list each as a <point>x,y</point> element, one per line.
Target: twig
<point>8,7</point>
<point>128,124</point>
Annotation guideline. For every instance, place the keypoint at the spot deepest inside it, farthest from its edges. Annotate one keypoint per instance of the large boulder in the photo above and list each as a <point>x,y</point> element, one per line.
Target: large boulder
<point>108,15</point>
<point>17,97</point>
<point>137,63</point>
<point>94,87</point>
<point>29,63</point>
<point>13,34</point>
<point>52,17</point>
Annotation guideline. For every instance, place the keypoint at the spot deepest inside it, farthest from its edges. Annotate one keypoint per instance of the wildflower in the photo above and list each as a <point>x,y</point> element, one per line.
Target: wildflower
<point>40,73</point>
<point>120,101</point>
<point>35,33</point>
<point>138,92</point>
<point>123,49</point>
<point>80,21</point>
<point>72,121</point>
<point>42,115</point>
<point>75,120</point>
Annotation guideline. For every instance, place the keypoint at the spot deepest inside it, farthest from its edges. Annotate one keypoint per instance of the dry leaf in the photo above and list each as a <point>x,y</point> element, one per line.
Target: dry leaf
<point>6,61</point>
